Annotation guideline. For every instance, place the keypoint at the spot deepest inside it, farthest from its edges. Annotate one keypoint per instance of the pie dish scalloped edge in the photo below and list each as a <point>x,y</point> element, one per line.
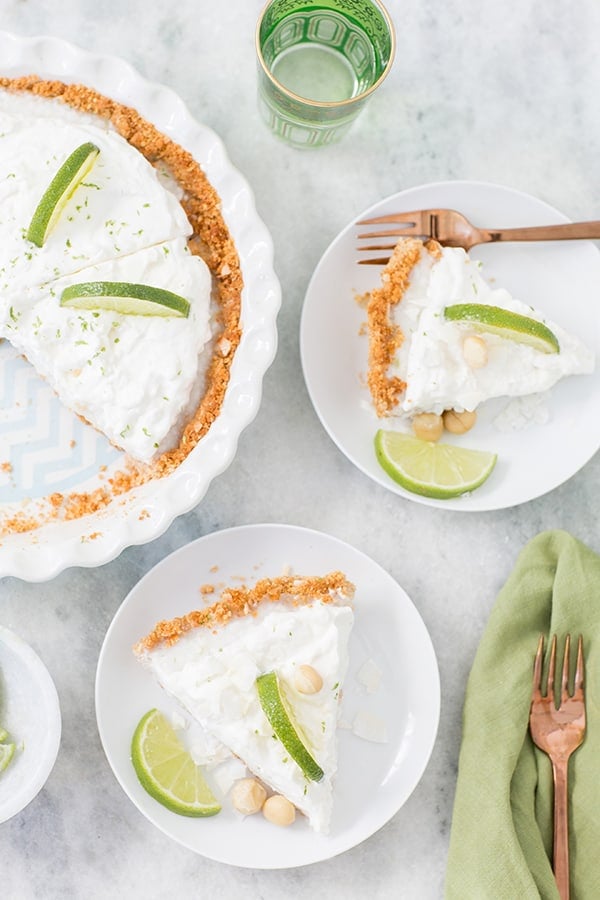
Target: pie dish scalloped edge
<point>147,511</point>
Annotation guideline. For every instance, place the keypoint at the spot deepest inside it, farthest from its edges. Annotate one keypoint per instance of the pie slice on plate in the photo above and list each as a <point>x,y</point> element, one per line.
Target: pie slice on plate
<point>213,662</point>
<point>442,338</point>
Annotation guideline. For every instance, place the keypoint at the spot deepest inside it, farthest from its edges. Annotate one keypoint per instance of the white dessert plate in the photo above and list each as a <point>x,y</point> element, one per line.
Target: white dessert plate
<point>373,780</point>
<point>30,712</point>
<point>46,449</point>
<point>561,278</point>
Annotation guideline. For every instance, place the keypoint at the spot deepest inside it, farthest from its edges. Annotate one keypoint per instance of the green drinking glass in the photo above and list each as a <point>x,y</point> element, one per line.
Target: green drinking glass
<point>318,63</point>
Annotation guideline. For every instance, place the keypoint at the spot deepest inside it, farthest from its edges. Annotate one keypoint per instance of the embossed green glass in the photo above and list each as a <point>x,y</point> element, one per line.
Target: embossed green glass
<point>318,63</point>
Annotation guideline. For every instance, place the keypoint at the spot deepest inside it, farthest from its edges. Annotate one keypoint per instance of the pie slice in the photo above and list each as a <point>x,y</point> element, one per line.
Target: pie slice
<point>120,207</point>
<point>209,661</point>
<point>135,378</point>
<point>418,358</point>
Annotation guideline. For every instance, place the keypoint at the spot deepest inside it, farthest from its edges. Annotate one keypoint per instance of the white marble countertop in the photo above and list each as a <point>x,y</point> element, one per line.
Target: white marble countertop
<point>477,92</point>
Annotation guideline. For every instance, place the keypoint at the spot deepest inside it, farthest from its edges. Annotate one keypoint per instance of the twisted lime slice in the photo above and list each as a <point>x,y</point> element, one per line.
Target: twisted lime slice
<point>167,771</point>
<point>506,324</point>
<point>274,707</point>
<point>126,298</point>
<point>7,751</point>
<point>60,190</point>
<point>441,471</point>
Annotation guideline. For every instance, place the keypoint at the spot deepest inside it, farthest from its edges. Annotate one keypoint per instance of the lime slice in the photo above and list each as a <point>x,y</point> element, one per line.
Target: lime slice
<point>3,735</point>
<point>126,298</point>
<point>506,324</point>
<point>274,707</point>
<point>60,190</point>
<point>167,771</point>
<point>432,470</point>
<point>7,751</point>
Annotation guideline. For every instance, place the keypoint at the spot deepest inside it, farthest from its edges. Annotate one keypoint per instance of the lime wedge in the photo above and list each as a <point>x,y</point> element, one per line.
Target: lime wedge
<point>167,771</point>
<point>126,298</point>
<point>506,324</point>
<point>7,751</point>
<point>432,470</point>
<point>274,707</point>
<point>60,190</point>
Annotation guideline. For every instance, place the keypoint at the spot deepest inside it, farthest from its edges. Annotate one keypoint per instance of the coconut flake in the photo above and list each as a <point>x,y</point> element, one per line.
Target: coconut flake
<point>369,675</point>
<point>224,776</point>
<point>370,727</point>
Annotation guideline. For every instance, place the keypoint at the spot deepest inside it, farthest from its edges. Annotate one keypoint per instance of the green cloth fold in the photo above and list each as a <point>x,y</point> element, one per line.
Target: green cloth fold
<point>501,838</point>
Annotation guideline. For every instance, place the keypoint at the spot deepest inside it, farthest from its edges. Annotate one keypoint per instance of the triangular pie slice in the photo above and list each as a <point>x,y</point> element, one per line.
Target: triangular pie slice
<point>120,207</point>
<point>209,660</point>
<point>417,358</point>
<point>135,378</point>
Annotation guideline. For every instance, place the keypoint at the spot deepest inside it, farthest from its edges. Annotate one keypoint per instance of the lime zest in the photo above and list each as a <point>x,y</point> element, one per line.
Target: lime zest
<point>506,324</point>
<point>438,470</point>
<point>127,298</point>
<point>275,709</point>
<point>60,190</point>
<point>166,770</point>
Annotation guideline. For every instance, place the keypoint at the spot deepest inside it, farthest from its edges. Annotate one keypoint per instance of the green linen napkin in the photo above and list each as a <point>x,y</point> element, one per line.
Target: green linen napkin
<point>501,838</point>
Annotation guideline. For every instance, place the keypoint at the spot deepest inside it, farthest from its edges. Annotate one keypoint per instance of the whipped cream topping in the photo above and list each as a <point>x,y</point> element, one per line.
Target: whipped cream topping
<point>135,378</point>
<point>212,672</point>
<point>120,207</point>
<point>431,358</point>
<point>131,376</point>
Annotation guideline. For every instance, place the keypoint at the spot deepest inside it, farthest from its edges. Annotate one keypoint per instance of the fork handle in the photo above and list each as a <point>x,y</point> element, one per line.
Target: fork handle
<point>567,232</point>
<point>561,827</point>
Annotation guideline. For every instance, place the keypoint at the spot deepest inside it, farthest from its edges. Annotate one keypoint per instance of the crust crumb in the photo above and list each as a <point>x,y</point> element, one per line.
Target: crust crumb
<point>243,601</point>
<point>207,588</point>
<point>385,337</point>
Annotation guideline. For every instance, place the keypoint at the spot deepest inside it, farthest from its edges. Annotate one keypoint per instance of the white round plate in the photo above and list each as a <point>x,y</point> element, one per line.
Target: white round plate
<point>557,277</point>
<point>388,630</point>
<point>49,449</point>
<point>30,712</point>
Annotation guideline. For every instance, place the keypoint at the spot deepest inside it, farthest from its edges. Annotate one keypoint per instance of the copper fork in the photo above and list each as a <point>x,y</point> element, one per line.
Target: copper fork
<point>452,229</point>
<point>558,732</point>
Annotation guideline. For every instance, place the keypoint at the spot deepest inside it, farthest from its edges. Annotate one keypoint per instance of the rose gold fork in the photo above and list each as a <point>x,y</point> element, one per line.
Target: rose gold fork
<point>558,732</point>
<point>452,229</point>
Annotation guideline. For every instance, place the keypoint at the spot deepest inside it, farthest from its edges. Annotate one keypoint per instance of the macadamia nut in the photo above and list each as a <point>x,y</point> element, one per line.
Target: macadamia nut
<point>307,680</point>
<point>428,426</point>
<point>459,422</point>
<point>475,351</point>
<point>248,796</point>
<point>279,810</point>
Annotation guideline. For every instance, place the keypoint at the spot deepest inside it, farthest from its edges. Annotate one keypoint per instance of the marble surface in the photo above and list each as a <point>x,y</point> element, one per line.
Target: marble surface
<point>476,92</point>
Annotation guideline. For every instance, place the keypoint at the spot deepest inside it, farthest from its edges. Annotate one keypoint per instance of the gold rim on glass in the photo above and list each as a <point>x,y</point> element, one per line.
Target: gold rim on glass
<point>328,104</point>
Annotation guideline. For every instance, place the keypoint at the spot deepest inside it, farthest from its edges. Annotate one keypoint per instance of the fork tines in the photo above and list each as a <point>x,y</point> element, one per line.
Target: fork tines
<point>411,224</point>
<point>537,669</point>
<point>406,218</point>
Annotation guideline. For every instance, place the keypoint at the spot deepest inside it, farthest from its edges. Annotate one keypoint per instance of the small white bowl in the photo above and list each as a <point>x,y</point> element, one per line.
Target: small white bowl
<point>30,712</point>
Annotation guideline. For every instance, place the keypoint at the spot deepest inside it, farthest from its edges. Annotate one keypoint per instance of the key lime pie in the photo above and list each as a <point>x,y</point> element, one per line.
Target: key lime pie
<point>441,337</point>
<point>119,281</point>
<point>261,671</point>
<point>442,341</point>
